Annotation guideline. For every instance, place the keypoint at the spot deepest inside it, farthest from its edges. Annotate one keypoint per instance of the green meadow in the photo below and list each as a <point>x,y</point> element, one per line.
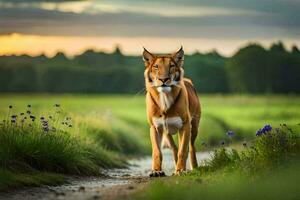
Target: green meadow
<point>242,114</point>
<point>90,132</point>
<point>268,169</point>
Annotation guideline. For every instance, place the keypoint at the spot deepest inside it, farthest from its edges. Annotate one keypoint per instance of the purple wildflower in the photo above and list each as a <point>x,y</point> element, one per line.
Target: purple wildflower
<point>259,132</point>
<point>267,128</point>
<point>264,130</point>
<point>230,133</point>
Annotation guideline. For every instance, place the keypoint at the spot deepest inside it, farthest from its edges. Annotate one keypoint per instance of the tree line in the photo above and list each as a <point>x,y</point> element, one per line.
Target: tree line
<point>253,69</point>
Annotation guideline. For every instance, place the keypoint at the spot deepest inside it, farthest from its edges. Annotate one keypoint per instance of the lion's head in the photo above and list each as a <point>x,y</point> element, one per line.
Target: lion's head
<point>163,71</point>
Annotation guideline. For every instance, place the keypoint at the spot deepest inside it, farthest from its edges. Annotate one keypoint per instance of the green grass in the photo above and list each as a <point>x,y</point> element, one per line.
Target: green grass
<point>76,143</point>
<point>59,152</point>
<point>105,128</point>
<point>278,185</point>
<point>10,180</point>
<point>242,114</point>
<point>269,169</point>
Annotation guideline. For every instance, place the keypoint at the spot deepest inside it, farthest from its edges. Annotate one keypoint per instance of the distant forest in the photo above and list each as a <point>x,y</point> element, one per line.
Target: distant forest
<point>253,69</point>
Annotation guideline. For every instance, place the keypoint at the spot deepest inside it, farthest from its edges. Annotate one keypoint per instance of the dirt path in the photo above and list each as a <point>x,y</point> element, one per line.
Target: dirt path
<point>117,185</point>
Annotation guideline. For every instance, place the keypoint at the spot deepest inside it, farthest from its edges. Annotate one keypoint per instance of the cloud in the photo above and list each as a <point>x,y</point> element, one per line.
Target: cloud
<point>230,19</point>
<point>39,1</point>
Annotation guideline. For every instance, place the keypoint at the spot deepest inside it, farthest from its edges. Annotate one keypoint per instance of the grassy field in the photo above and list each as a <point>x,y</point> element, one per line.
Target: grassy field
<point>42,137</point>
<point>269,169</point>
<point>104,128</point>
<point>242,114</point>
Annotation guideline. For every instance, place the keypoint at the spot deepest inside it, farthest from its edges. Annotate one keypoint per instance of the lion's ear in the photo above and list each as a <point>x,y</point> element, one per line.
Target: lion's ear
<point>147,57</point>
<point>179,57</point>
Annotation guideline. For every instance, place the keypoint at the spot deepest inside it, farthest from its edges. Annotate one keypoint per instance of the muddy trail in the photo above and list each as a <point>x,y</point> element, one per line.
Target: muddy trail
<point>117,184</point>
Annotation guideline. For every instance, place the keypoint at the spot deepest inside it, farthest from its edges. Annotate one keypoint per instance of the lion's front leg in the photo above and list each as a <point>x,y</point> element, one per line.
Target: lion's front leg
<point>184,138</point>
<point>156,138</point>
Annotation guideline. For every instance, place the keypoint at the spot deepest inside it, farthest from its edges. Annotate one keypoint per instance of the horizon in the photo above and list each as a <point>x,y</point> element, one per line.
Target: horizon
<point>50,53</point>
<point>37,27</point>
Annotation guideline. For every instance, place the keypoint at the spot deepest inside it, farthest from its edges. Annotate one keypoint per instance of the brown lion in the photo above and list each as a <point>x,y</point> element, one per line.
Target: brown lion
<point>172,106</point>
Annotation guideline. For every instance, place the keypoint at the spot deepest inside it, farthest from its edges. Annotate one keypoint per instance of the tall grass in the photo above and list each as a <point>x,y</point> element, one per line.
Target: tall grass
<point>46,143</point>
<point>270,149</point>
<point>268,168</point>
<point>36,142</point>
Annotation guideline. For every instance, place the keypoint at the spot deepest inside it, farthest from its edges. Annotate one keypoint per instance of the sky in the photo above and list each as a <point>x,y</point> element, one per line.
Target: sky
<point>34,27</point>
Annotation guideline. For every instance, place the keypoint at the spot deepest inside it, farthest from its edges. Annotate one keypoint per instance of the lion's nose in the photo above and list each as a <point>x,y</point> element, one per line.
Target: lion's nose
<point>164,80</point>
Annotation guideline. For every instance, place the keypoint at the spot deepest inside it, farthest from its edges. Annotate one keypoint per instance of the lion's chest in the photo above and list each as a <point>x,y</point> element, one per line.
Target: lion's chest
<point>171,124</point>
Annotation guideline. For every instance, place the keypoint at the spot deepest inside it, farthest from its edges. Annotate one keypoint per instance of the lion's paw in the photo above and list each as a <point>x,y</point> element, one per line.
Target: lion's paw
<point>157,174</point>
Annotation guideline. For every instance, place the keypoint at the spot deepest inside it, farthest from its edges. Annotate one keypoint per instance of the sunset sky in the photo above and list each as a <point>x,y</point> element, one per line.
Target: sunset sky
<point>36,27</point>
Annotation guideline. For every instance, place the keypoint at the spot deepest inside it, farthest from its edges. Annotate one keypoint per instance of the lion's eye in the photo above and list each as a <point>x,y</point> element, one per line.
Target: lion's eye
<point>172,65</point>
<point>155,66</point>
